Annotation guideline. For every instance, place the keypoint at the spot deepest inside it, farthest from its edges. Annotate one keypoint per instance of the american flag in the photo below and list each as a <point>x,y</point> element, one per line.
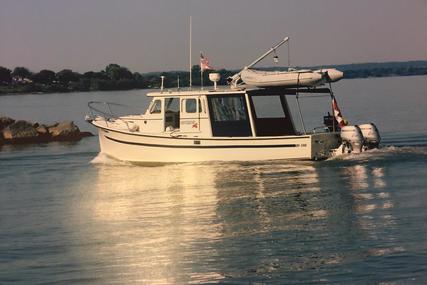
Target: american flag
<point>204,63</point>
<point>337,114</point>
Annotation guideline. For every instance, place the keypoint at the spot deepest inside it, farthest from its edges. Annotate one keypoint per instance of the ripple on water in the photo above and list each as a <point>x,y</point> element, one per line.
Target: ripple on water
<point>351,219</point>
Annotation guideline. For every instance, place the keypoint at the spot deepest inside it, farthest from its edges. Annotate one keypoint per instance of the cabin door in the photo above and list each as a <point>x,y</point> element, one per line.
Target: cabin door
<point>172,114</point>
<point>190,114</point>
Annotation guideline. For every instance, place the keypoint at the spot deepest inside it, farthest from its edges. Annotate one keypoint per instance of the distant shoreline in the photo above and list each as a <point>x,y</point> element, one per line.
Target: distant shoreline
<point>117,78</point>
<point>90,91</point>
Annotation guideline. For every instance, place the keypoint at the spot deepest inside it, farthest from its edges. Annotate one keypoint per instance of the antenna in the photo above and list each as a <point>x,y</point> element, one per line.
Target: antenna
<point>162,84</point>
<point>289,55</point>
<point>191,79</point>
<point>178,82</point>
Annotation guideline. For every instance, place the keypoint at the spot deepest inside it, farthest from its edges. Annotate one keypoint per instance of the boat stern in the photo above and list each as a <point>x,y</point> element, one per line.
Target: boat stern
<point>322,144</point>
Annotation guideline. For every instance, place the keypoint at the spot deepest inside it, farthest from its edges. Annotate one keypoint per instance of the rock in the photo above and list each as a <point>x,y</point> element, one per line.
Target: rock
<point>5,121</point>
<point>20,132</point>
<point>54,125</point>
<point>86,134</point>
<point>64,131</point>
<point>43,132</point>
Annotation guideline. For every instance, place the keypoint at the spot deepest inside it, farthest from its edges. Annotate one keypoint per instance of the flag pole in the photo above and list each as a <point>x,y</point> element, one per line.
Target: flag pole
<point>201,77</point>
<point>333,110</point>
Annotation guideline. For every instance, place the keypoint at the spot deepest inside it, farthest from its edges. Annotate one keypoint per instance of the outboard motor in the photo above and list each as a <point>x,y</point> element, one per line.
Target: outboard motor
<point>371,135</point>
<point>352,139</point>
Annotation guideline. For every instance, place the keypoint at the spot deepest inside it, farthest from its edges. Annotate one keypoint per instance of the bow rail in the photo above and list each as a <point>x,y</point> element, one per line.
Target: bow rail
<point>110,113</point>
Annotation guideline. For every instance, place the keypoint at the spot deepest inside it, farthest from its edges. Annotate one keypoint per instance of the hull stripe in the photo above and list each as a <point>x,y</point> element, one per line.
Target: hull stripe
<point>201,146</point>
<point>203,139</point>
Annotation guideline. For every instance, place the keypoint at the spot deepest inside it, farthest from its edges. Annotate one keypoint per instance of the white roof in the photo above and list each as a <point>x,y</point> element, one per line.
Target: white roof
<point>194,92</point>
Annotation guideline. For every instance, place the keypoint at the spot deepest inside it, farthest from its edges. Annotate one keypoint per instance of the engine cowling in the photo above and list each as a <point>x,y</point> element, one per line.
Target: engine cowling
<point>352,139</point>
<point>371,135</point>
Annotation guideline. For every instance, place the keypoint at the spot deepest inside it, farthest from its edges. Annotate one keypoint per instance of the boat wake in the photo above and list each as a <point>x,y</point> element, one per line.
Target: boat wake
<point>386,152</point>
<point>103,159</point>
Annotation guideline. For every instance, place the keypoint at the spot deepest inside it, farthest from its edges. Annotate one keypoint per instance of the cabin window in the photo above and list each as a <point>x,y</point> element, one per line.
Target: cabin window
<point>190,105</point>
<point>270,114</point>
<point>172,104</point>
<point>268,107</point>
<point>172,113</point>
<point>228,109</point>
<point>229,116</point>
<point>157,107</point>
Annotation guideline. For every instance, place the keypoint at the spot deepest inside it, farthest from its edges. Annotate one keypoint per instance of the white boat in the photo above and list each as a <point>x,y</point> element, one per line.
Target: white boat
<point>191,126</point>
<point>221,125</point>
<point>231,124</point>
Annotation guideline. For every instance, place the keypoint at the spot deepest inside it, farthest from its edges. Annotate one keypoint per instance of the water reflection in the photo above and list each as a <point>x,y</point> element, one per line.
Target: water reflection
<point>273,196</point>
<point>172,224</point>
<point>372,205</point>
<point>267,220</point>
<point>367,196</point>
<point>195,223</point>
<point>153,220</point>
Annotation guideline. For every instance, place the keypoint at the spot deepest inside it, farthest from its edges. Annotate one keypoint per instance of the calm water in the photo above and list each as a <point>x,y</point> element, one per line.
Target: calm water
<point>71,216</point>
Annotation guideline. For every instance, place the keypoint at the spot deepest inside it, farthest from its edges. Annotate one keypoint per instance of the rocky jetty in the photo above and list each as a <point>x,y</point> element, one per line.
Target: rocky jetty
<point>23,132</point>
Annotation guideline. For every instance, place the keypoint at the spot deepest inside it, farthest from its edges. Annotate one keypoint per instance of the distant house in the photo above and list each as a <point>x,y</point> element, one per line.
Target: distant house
<point>21,80</point>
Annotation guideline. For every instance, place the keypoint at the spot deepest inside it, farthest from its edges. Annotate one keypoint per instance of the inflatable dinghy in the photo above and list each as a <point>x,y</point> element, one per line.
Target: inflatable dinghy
<point>292,78</point>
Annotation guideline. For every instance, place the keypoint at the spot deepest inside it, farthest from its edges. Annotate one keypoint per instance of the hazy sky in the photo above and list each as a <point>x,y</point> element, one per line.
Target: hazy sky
<point>152,35</point>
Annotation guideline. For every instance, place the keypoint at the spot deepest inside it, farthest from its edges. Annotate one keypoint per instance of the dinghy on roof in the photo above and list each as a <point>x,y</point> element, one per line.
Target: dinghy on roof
<point>290,78</point>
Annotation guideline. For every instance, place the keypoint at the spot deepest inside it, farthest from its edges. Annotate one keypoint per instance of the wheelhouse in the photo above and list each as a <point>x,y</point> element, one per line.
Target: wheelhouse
<point>243,113</point>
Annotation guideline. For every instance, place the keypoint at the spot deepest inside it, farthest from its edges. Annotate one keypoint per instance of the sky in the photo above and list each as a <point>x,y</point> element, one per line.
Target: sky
<point>153,35</point>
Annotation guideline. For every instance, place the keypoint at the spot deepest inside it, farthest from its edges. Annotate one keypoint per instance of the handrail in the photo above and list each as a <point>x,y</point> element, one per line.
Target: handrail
<point>109,104</point>
<point>105,114</point>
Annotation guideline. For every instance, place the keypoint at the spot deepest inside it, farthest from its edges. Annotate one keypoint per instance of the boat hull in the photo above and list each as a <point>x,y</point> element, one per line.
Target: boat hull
<point>135,147</point>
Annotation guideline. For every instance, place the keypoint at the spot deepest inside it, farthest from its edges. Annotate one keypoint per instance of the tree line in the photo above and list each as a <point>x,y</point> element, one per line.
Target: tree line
<point>113,77</point>
<point>116,77</point>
